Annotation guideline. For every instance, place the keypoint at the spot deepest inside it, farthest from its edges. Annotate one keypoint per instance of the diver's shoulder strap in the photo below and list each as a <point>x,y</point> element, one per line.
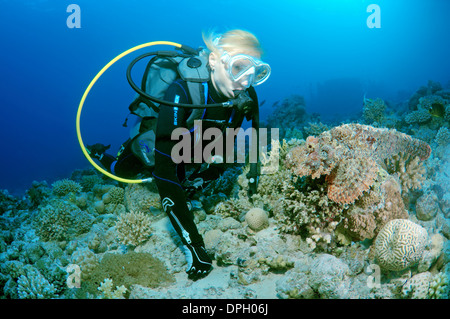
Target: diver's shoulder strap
<point>195,72</point>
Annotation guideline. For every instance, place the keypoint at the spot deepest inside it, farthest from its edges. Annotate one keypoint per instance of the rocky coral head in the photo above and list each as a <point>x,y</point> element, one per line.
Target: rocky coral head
<point>400,244</point>
<point>350,155</point>
<point>351,179</point>
<point>312,158</point>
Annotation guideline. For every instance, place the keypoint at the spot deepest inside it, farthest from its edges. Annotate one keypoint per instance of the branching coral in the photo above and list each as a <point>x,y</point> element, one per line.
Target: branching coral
<point>429,106</point>
<point>315,128</point>
<point>439,286</point>
<point>127,270</point>
<point>61,220</point>
<point>33,285</point>
<point>350,155</point>
<point>89,181</point>
<point>306,210</point>
<point>431,88</point>
<point>443,136</point>
<point>114,196</point>
<point>425,285</point>
<point>84,258</point>
<point>133,228</point>
<point>373,110</point>
<point>141,197</point>
<point>270,161</point>
<point>418,286</point>
<point>107,291</point>
<point>65,186</point>
<point>233,207</point>
<point>431,101</point>
<point>409,170</point>
<point>418,116</point>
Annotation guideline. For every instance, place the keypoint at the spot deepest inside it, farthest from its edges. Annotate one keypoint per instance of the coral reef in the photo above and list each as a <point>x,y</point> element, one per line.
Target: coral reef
<point>114,196</point>
<point>400,244</point>
<point>308,210</point>
<point>89,181</point>
<point>372,211</point>
<point>61,220</point>
<point>108,292</point>
<point>430,89</point>
<point>419,116</point>
<point>126,270</point>
<point>373,110</point>
<point>65,186</point>
<point>418,286</point>
<point>427,206</point>
<point>329,277</point>
<point>350,155</point>
<point>257,219</point>
<point>133,228</point>
<point>409,170</point>
<point>33,285</point>
<point>290,112</point>
<point>290,117</point>
<point>141,197</point>
<point>315,128</point>
<point>425,285</point>
<point>438,288</point>
<point>352,211</point>
<point>443,136</point>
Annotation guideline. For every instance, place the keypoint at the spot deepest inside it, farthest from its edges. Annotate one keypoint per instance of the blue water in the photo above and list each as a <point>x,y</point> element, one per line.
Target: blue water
<point>322,49</point>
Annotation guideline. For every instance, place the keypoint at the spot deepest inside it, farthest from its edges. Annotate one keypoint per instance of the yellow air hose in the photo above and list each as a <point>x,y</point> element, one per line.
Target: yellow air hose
<point>80,107</point>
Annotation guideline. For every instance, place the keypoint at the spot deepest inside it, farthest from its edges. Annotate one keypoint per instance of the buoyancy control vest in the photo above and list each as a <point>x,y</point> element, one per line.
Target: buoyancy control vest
<point>161,71</point>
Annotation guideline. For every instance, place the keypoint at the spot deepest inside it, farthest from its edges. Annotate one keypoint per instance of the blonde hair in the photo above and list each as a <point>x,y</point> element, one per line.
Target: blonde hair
<point>233,41</point>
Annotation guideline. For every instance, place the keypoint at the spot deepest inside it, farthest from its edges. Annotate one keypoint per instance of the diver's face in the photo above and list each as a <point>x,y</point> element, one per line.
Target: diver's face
<point>221,79</point>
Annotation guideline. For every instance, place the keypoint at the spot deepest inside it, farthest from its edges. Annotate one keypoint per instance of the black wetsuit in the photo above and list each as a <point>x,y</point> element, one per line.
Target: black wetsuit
<point>168,175</point>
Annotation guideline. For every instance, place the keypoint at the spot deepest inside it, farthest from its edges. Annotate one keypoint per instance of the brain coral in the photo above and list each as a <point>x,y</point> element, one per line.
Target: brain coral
<point>350,155</point>
<point>400,244</point>
<point>257,219</point>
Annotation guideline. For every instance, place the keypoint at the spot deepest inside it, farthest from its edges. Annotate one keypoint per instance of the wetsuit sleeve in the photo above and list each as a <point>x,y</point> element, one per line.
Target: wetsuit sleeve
<point>169,175</point>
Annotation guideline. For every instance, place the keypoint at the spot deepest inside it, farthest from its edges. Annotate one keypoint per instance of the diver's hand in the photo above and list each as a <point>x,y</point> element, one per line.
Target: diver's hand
<point>199,263</point>
<point>97,149</point>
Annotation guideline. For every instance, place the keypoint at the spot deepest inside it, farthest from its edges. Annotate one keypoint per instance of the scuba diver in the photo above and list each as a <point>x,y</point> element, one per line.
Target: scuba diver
<point>234,68</point>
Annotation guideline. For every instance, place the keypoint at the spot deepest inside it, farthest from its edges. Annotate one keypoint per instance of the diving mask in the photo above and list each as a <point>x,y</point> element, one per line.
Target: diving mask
<point>243,67</point>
